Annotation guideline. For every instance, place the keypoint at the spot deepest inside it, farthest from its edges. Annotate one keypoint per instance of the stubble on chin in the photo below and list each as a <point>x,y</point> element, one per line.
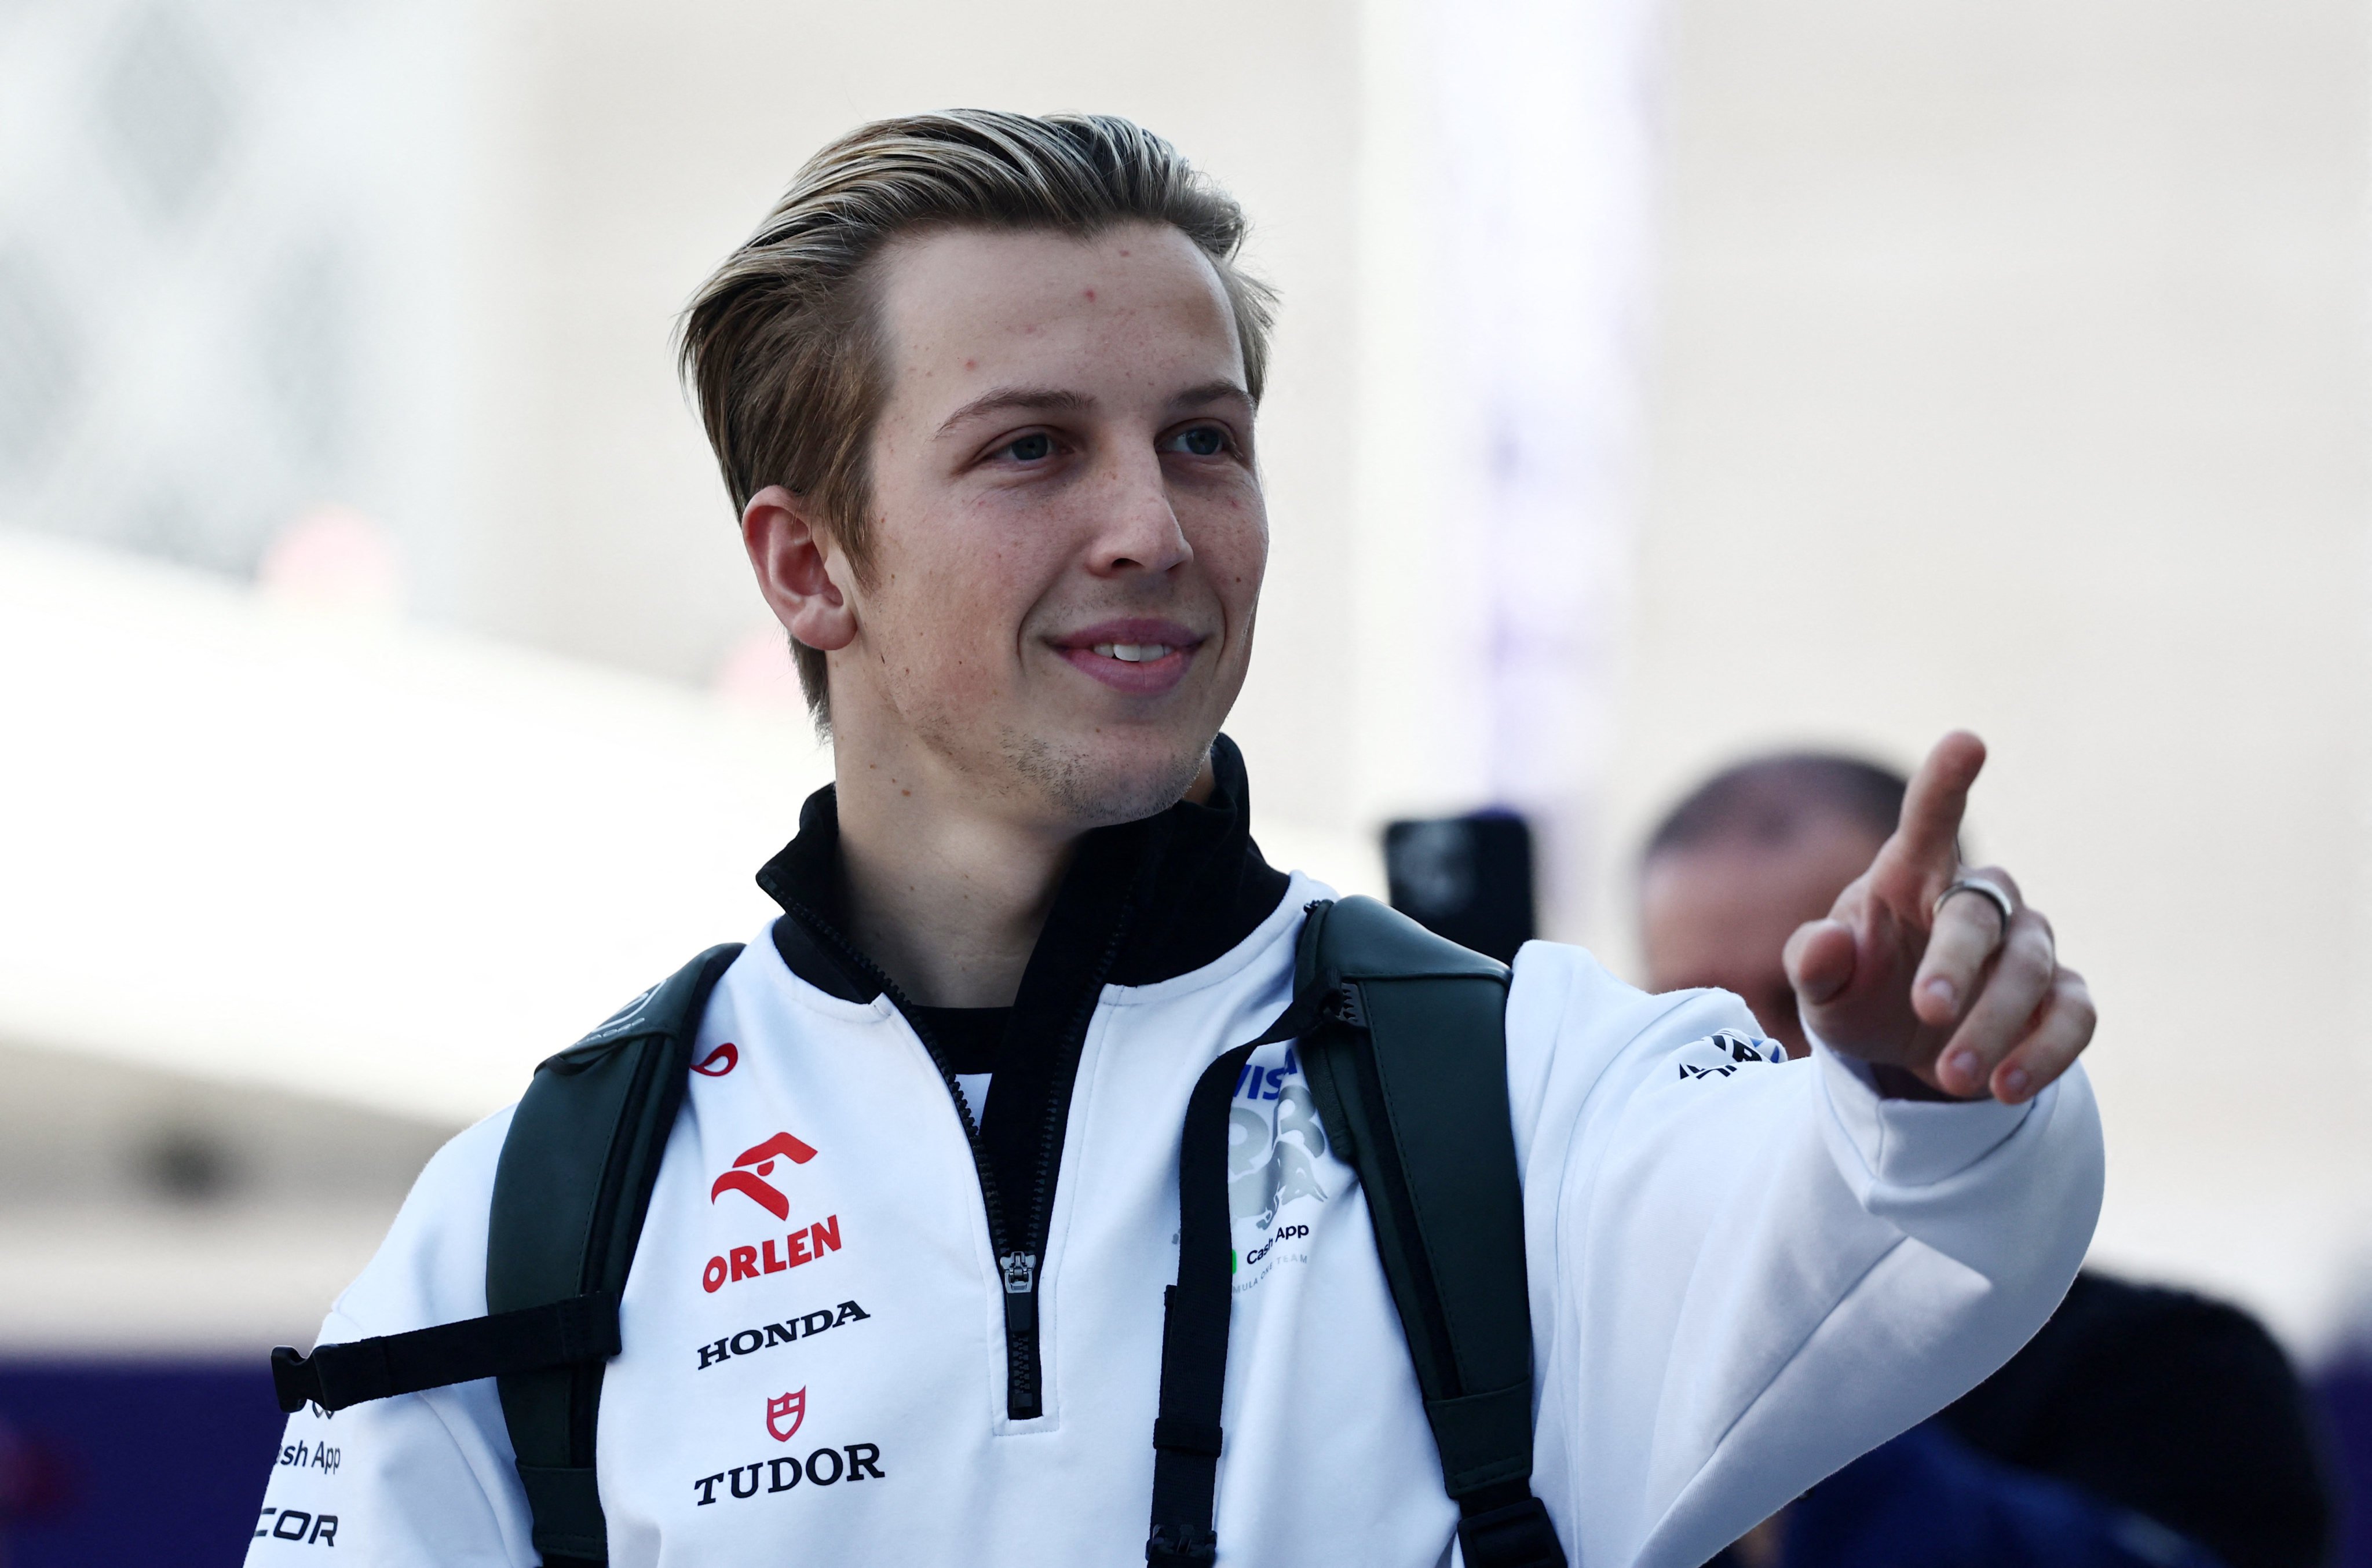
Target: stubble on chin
<point>1079,788</point>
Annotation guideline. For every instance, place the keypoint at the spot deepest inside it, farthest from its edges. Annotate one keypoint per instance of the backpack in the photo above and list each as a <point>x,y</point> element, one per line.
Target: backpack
<point>1403,1041</point>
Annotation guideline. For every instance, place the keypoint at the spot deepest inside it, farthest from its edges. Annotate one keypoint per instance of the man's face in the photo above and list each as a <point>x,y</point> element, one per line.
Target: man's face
<point>1068,534</point>
<point>1720,913</point>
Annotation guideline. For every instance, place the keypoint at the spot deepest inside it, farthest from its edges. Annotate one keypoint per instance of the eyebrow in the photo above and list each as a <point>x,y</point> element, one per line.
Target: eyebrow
<point>1053,400</point>
<point>1211,392</point>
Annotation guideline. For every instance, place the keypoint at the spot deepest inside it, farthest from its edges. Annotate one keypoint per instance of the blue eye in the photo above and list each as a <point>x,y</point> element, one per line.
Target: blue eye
<point>1202,441</point>
<point>1030,448</point>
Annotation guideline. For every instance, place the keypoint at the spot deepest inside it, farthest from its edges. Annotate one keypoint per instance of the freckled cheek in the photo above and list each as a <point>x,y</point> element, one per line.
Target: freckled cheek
<point>1026,555</point>
<point>973,628</point>
<point>1233,549</point>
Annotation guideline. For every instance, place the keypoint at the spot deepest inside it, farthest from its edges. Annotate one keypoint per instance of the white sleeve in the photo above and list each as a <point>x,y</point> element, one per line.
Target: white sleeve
<point>418,1480</point>
<point>1745,1273</point>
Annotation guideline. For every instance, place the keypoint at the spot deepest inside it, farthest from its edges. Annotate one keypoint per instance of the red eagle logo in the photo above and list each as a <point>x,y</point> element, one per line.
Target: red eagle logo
<point>744,1178</point>
<point>794,1406</point>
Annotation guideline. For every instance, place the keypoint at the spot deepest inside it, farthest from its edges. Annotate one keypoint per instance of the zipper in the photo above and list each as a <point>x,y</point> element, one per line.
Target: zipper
<point>1024,1395</point>
<point>1016,1266</point>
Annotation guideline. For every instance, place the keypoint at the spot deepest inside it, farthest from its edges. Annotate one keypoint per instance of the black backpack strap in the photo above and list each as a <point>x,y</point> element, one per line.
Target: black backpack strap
<point>1403,1037</point>
<point>582,1328</point>
<point>570,1193</point>
<point>571,1188</point>
<point>1408,1068</point>
<point>1194,1330</point>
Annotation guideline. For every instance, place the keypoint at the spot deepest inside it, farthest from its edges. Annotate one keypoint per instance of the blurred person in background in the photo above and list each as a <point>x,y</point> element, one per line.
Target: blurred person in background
<point>2132,1400</point>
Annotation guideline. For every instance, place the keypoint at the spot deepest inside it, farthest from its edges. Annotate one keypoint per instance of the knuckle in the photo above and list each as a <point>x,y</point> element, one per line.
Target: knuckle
<point>2038,1061</point>
<point>2028,962</point>
<point>2045,1066</point>
<point>2070,1016</point>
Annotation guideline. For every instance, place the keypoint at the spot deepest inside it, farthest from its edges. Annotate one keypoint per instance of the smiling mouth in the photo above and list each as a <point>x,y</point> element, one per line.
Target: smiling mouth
<point>1126,658</point>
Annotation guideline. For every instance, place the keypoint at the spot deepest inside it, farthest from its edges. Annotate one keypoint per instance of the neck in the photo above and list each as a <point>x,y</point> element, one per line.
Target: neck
<point>946,888</point>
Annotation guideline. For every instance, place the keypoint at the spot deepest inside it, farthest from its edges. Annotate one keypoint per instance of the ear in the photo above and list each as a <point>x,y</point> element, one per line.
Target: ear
<point>799,572</point>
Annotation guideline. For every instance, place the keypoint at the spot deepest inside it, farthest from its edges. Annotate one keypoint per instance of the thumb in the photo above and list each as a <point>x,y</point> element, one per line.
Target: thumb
<point>1819,960</point>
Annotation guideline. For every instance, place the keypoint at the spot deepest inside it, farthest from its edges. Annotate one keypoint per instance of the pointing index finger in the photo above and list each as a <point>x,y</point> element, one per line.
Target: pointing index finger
<point>1926,848</point>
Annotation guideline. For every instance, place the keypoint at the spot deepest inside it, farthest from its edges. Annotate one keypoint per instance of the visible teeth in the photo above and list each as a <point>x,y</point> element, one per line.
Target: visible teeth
<point>1133,652</point>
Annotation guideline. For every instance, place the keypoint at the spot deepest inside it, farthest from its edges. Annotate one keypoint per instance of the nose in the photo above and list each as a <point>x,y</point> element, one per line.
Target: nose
<point>1136,527</point>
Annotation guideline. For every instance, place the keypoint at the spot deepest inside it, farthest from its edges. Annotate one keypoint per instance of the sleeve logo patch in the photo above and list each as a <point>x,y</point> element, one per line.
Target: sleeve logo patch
<point>1723,1051</point>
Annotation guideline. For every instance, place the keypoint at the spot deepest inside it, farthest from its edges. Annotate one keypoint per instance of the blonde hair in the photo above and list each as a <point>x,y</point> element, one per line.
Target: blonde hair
<point>780,346</point>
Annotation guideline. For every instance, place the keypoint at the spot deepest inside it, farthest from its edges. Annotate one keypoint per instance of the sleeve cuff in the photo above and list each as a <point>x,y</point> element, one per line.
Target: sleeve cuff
<point>1902,1142</point>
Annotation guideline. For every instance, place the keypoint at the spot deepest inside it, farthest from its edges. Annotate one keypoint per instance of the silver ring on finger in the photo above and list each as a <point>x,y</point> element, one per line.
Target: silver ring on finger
<point>1991,890</point>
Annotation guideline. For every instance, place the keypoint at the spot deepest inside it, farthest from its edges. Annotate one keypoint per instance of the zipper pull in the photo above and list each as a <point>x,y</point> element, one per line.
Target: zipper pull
<point>1021,1272</point>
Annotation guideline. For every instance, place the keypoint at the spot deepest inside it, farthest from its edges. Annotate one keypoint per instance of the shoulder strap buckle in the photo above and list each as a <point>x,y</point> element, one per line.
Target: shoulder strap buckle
<point>533,1339</point>
<point>1169,1548</point>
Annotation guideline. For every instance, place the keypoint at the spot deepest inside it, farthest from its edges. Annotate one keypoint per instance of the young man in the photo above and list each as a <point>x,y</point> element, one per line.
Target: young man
<point>983,388</point>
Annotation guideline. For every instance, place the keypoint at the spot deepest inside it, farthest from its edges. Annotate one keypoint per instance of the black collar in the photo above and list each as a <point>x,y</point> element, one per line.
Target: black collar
<point>1141,903</point>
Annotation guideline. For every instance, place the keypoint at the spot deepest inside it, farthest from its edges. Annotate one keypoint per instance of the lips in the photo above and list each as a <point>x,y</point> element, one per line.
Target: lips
<point>1143,658</point>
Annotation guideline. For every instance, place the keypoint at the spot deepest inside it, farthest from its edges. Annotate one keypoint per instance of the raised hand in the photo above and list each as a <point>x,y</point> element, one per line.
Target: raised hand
<point>1951,994</point>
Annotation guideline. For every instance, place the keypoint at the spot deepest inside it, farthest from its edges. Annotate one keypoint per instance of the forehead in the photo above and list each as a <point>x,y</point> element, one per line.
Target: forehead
<point>1733,901</point>
<point>965,308</point>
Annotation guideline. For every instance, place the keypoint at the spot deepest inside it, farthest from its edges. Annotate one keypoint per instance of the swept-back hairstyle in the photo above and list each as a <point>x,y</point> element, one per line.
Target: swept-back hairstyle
<point>780,346</point>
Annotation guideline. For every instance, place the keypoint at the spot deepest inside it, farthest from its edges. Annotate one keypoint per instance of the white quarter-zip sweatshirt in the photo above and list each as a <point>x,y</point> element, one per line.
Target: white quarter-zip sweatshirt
<point>1744,1272</point>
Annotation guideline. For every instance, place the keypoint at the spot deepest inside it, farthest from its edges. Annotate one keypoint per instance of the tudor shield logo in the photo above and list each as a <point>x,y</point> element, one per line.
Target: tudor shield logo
<point>781,1408</point>
<point>750,1171</point>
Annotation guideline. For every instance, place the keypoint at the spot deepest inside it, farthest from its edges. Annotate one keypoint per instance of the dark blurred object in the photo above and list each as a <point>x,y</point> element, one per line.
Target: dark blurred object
<point>160,1464</point>
<point>2180,1408</point>
<point>1468,878</point>
<point>1928,1500</point>
<point>185,1166</point>
<point>2345,1391</point>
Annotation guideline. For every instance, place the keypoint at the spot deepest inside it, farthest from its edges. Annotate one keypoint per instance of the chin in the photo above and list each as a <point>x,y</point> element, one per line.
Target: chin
<point>1098,781</point>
